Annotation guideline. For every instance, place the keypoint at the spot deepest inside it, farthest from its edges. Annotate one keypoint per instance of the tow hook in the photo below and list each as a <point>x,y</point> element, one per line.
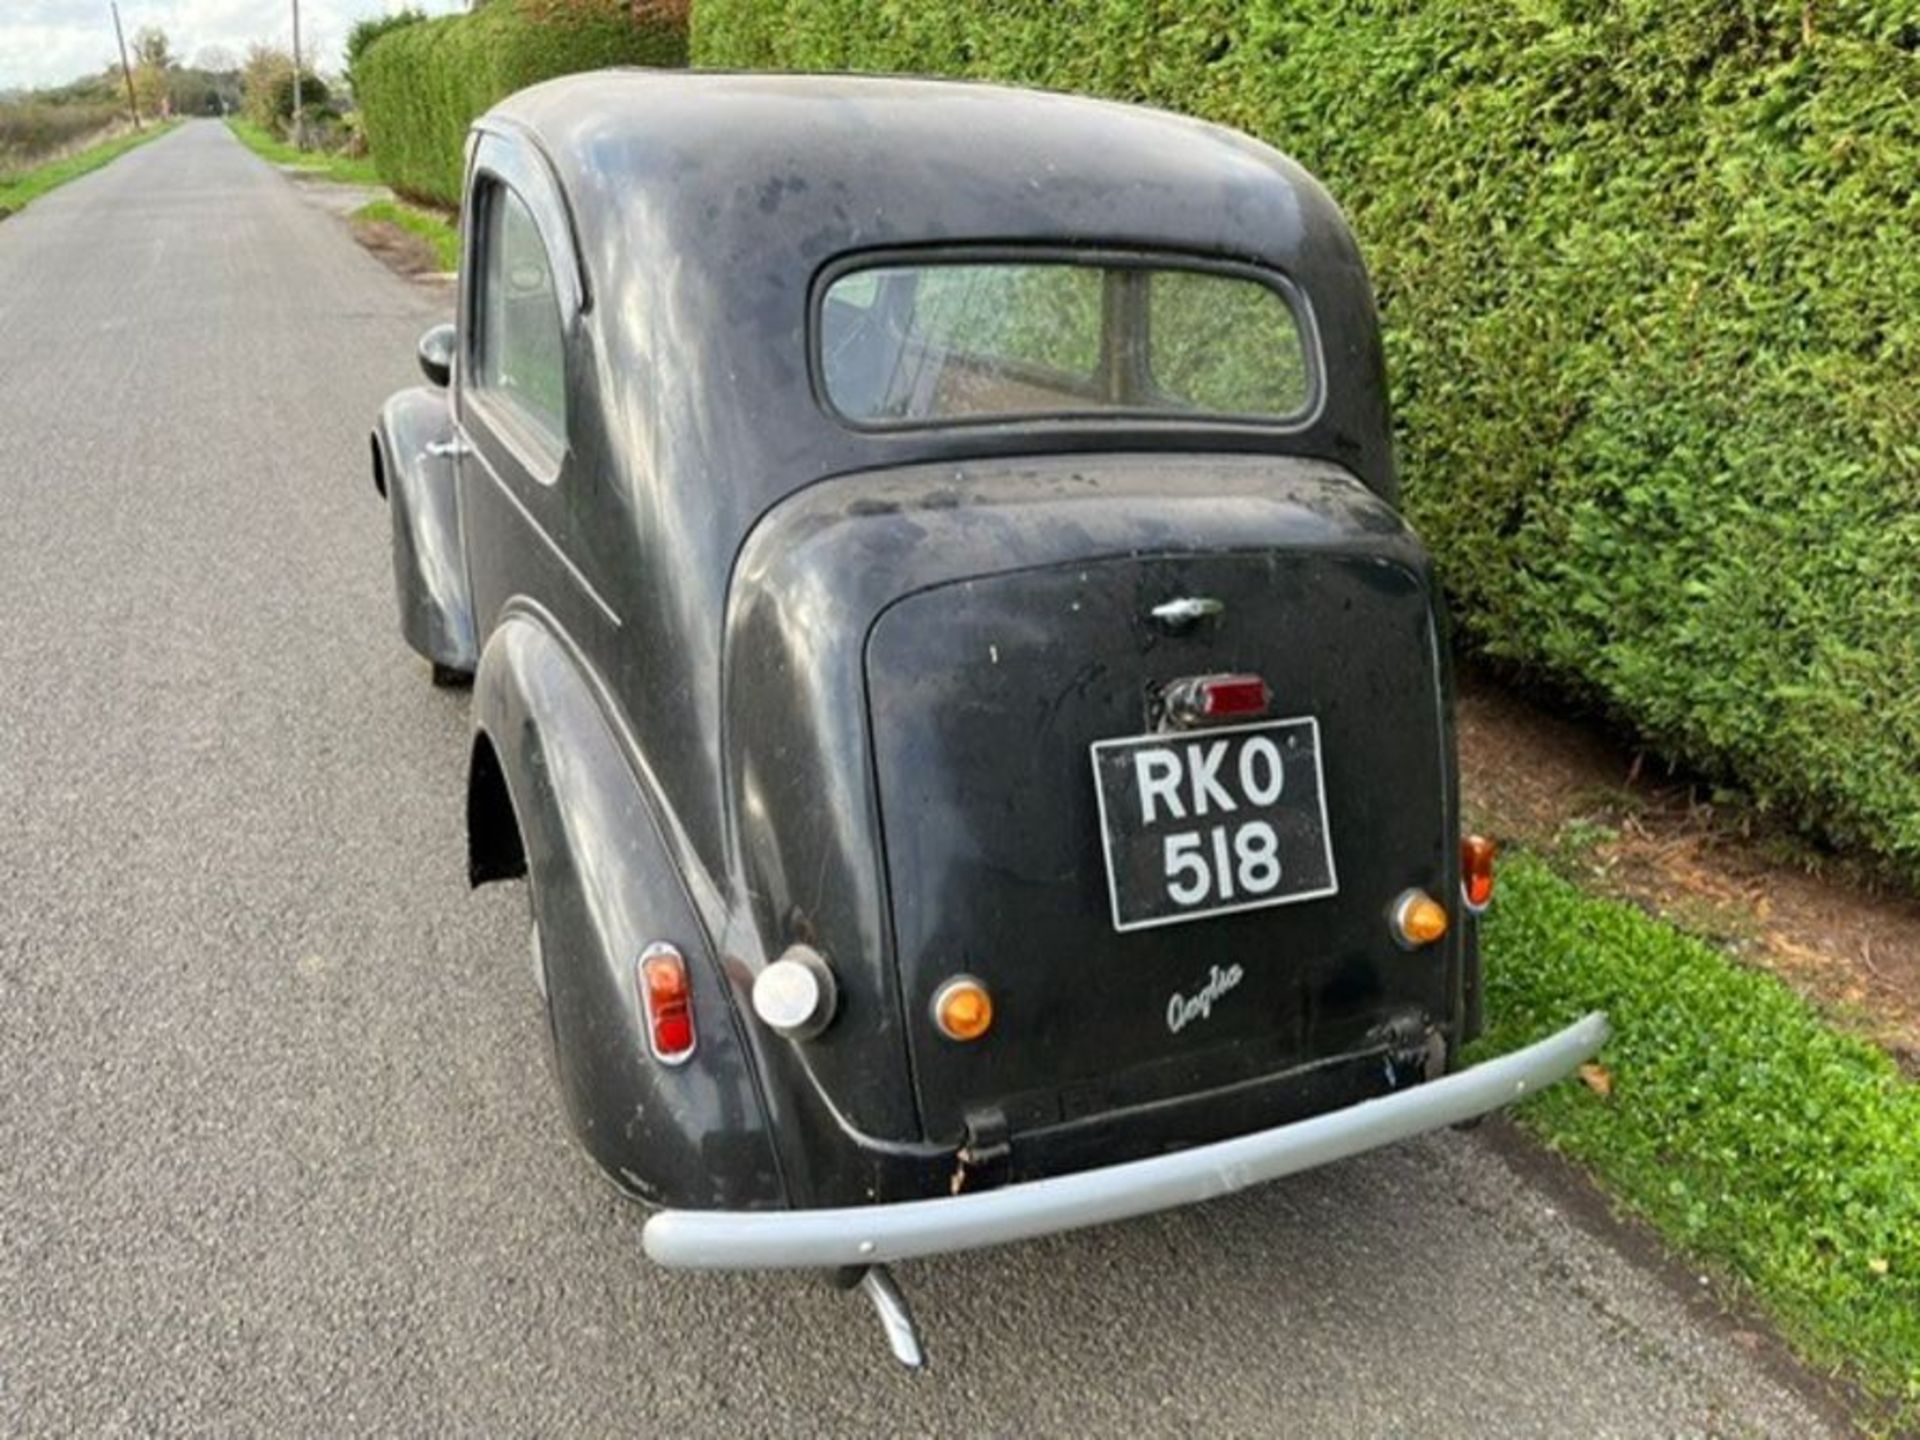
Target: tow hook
<point>896,1317</point>
<point>986,1159</point>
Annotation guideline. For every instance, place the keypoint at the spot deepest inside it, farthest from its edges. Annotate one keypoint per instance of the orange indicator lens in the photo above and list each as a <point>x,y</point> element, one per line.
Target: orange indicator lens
<point>1418,919</point>
<point>962,1009</point>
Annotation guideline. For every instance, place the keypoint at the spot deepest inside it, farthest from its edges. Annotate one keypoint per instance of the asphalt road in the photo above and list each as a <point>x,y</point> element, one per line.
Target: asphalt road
<point>278,1150</point>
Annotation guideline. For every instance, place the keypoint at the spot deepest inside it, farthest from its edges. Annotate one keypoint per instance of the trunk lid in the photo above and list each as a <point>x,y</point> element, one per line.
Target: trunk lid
<point>986,699</point>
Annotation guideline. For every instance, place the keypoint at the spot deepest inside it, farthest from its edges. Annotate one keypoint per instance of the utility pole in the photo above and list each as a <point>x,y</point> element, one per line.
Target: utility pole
<point>126,70</point>
<point>299,123</point>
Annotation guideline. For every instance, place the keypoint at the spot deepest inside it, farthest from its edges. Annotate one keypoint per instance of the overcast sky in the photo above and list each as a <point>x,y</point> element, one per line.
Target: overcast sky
<point>48,42</point>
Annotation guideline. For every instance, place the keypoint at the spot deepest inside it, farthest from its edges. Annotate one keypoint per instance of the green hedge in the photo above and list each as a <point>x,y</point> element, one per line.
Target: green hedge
<point>1651,280</point>
<point>421,85</point>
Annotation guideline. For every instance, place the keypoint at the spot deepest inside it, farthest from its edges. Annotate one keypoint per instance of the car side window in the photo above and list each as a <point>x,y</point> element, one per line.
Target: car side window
<point>520,362</point>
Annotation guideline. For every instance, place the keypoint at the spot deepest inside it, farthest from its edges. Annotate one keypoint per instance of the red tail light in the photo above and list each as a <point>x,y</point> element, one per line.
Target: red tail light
<point>1226,697</point>
<point>1209,699</point>
<point>1476,871</point>
<point>666,1000</point>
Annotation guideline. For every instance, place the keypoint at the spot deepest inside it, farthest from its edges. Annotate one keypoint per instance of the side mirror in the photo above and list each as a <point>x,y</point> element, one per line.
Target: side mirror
<point>436,355</point>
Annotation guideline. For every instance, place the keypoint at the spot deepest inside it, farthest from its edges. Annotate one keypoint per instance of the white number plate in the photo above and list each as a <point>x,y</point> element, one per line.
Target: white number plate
<point>1208,822</point>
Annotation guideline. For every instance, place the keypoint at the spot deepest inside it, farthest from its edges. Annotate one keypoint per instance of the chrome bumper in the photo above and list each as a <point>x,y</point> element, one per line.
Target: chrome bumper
<point>876,1234</point>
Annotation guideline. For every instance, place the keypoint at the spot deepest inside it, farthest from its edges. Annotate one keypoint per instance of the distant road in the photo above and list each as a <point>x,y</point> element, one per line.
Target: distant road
<point>278,1149</point>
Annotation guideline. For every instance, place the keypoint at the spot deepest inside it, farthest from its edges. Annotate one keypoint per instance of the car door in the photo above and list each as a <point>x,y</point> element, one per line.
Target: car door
<point>521,298</point>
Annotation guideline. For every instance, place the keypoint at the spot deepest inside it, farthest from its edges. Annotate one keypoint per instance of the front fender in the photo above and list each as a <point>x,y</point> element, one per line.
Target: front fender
<point>414,468</point>
<point>604,888</point>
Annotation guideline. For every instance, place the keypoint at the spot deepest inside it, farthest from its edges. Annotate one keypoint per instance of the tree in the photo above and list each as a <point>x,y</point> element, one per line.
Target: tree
<point>192,92</point>
<point>152,60</point>
<point>259,83</point>
<point>266,90</point>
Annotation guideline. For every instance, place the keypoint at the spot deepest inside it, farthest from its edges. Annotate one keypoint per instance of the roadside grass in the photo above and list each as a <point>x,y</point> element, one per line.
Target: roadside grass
<point>18,189</point>
<point>435,229</point>
<point>1751,1135</point>
<point>323,165</point>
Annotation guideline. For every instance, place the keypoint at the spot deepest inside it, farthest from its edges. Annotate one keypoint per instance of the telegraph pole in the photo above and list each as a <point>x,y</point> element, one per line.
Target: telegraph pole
<point>299,123</point>
<point>126,70</point>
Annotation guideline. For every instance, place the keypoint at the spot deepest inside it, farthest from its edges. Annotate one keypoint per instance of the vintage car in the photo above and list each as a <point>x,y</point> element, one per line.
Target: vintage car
<point>945,656</point>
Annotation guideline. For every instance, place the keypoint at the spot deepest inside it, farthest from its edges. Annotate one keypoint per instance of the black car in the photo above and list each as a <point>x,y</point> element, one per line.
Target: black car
<point>946,657</point>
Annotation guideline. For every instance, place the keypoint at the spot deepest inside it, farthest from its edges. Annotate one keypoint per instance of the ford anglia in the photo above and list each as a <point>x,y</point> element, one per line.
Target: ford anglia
<point>945,656</point>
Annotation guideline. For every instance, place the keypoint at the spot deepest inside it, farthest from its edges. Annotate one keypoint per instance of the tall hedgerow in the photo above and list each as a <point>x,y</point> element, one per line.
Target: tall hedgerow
<point>1650,274</point>
<point>369,29</point>
<point>420,85</point>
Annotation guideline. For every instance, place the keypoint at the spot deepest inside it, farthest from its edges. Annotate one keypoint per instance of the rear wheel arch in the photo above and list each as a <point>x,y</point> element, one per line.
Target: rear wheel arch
<point>496,850</point>
<point>553,795</point>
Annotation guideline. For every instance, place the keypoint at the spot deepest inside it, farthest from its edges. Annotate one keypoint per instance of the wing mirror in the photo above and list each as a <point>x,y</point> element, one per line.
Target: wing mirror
<point>436,355</point>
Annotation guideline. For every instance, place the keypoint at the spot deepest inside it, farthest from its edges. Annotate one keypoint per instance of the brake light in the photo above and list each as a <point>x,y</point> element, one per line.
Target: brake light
<point>1224,697</point>
<point>666,1002</point>
<point>1208,699</point>
<point>1476,871</point>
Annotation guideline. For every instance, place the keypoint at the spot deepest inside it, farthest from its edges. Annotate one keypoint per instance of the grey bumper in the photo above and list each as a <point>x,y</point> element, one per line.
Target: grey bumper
<point>876,1234</point>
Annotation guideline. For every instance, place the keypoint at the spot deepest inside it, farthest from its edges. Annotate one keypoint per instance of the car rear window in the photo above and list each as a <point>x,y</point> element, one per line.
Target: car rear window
<point>947,341</point>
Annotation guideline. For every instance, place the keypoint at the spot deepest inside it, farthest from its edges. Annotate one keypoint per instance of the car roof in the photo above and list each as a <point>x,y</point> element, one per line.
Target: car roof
<point>741,146</point>
<point>706,205</point>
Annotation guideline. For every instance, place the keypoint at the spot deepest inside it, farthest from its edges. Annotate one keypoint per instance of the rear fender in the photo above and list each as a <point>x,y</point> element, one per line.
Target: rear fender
<point>414,469</point>
<point>604,888</point>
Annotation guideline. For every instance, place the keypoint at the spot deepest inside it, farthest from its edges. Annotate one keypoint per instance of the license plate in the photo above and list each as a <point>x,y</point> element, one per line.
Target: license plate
<point>1213,821</point>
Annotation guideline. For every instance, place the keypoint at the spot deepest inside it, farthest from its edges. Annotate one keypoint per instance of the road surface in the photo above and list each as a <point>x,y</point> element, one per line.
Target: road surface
<point>279,1147</point>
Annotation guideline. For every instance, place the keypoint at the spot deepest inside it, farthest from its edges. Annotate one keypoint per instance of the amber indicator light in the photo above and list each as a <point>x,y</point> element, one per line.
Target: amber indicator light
<point>1418,919</point>
<point>962,1009</point>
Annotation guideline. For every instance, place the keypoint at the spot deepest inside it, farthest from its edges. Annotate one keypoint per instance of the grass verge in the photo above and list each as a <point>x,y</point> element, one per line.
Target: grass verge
<point>323,165</point>
<point>16,190</point>
<point>435,229</point>
<point>1750,1134</point>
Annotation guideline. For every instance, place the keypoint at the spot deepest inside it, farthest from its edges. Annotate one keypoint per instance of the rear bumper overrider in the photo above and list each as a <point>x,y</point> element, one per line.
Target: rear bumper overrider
<point>867,1235</point>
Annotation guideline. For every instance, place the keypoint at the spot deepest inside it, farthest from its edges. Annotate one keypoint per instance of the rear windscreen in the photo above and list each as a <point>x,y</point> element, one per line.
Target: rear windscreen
<point>945,341</point>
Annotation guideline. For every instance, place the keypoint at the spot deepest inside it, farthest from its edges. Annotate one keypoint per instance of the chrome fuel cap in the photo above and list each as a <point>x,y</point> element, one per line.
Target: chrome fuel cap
<point>796,995</point>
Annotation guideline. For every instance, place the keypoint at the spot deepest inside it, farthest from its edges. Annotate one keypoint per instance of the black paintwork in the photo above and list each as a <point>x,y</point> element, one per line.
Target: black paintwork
<point>749,676</point>
<point>414,469</point>
<point>437,349</point>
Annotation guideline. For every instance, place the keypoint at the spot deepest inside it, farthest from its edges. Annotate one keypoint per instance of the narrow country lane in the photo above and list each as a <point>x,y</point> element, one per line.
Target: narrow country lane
<point>278,1152</point>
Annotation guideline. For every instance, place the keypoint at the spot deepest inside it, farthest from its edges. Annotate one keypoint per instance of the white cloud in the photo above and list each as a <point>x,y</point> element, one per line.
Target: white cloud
<point>48,42</point>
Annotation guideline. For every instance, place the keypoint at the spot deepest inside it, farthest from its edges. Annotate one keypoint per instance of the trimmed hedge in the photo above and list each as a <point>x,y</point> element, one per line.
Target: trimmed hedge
<point>1651,280</point>
<point>421,85</point>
